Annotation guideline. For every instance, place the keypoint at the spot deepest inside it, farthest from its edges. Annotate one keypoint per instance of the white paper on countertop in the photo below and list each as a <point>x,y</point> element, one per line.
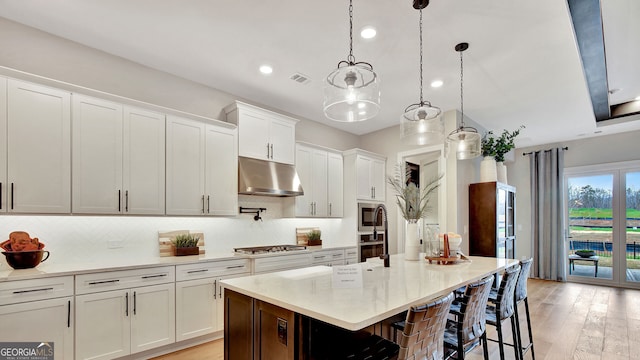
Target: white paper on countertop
<point>347,276</point>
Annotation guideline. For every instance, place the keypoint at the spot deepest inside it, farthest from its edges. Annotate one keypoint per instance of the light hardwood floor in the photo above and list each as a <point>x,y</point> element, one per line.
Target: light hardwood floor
<point>570,321</point>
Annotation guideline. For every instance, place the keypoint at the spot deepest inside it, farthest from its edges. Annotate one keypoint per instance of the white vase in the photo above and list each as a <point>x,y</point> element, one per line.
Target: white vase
<point>488,171</point>
<point>411,241</point>
<point>501,169</point>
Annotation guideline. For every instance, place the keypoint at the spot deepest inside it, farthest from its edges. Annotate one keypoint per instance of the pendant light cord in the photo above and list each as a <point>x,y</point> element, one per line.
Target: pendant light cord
<point>461,91</point>
<point>421,98</point>
<point>351,58</point>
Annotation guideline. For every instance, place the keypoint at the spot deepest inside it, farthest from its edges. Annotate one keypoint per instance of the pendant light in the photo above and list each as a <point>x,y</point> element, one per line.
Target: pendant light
<point>421,123</point>
<point>351,91</point>
<point>467,140</point>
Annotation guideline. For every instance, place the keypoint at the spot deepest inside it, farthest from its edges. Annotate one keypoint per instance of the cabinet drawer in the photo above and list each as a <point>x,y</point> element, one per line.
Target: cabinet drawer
<point>116,280</point>
<point>212,269</point>
<point>37,289</point>
<point>328,256</point>
<point>351,253</point>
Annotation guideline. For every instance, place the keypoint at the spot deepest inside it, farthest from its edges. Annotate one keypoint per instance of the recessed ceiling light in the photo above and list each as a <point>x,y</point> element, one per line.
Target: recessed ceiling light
<point>368,32</point>
<point>437,83</point>
<point>266,69</point>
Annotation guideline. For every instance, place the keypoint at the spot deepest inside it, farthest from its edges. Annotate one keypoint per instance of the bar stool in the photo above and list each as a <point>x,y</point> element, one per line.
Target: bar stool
<point>421,338</point>
<point>503,308</point>
<point>520,296</point>
<point>469,327</point>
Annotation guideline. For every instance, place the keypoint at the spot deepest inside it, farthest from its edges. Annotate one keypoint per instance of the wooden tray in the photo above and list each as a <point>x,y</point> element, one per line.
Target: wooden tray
<point>447,260</point>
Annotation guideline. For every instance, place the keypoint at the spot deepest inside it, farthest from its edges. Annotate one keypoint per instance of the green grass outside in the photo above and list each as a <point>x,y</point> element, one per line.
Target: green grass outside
<point>599,213</point>
<point>606,229</point>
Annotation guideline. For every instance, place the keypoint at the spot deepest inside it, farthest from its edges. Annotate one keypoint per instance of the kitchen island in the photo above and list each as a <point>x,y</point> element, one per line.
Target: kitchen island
<point>269,315</point>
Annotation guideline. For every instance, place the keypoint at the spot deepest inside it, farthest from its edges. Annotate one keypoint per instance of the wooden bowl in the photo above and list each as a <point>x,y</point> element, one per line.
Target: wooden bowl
<point>25,259</point>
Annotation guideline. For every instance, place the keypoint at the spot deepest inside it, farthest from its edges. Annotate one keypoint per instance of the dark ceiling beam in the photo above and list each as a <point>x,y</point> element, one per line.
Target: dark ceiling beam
<point>587,25</point>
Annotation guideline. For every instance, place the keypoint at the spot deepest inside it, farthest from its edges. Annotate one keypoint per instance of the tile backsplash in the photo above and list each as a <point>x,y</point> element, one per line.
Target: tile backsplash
<point>80,239</point>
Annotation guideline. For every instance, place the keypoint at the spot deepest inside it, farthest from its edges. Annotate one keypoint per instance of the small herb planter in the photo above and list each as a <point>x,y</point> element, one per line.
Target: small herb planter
<point>182,251</point>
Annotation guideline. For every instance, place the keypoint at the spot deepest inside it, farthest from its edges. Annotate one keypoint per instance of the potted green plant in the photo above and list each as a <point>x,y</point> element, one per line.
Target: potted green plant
<point>185,244</point>
<point>505,143</point>
<point>314,238</point>
<point>494,148</point>
<point>414,205</point>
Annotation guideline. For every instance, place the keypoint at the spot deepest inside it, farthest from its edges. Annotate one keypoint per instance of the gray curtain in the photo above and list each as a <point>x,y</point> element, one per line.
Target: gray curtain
<point>547,218</point>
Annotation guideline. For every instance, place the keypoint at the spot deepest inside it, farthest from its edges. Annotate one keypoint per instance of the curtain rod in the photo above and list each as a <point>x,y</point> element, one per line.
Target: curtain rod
<point>531,152</point>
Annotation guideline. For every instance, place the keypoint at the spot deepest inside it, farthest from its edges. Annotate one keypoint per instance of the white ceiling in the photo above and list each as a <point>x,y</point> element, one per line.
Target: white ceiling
<point>522,66</point>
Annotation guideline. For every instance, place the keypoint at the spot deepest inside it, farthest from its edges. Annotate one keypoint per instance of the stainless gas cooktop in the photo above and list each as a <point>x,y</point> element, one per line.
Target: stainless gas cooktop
<point>268,249</point>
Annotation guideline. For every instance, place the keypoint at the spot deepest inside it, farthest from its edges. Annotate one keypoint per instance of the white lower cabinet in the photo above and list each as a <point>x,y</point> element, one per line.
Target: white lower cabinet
<point>199,294</point>
<point>30,311</point>
<point>123,321</point>
<point>350,255</point>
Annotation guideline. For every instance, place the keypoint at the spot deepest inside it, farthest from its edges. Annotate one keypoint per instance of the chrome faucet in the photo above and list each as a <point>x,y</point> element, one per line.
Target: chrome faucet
<point>385,238</point>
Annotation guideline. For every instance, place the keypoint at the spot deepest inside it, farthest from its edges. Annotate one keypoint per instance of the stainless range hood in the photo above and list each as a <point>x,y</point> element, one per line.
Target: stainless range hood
<point>268,178</point>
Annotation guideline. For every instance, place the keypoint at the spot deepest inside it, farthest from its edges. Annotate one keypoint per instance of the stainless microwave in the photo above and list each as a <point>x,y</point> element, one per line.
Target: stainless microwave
<point>366,220</point>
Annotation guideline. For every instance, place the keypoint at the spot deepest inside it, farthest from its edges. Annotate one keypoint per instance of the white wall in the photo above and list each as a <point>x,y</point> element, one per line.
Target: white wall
<point>72,66</point>
<point>589,151</point>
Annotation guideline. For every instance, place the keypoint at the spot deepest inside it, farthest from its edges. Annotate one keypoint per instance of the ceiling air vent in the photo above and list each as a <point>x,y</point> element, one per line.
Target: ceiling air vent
<point>300,78</point>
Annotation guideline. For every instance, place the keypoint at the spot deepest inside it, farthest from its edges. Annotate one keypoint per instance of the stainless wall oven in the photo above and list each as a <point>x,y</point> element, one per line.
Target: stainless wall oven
<point>370,246</point>
<point>366,220</point>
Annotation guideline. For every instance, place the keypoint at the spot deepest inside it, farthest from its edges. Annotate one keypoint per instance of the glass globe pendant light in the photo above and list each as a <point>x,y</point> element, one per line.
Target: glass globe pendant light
<point>421,123</point>
<point>351,91</point>
<point>467,140</point>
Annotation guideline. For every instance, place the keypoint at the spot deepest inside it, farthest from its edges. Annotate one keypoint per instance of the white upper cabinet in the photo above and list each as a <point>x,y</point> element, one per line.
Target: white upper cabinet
<point>320,173</point>
<point>118,158</point>
<point>369,171</point>
<point>263,134</point>
<point>202,168</point>
<point>335,181</point>
<point>38,149</point>
<point>3,145</point>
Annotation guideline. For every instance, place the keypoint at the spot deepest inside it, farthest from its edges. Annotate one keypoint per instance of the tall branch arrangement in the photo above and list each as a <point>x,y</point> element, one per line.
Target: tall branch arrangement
<point>413,201</point>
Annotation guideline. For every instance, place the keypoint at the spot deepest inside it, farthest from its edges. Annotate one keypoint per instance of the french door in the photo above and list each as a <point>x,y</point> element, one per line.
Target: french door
<point>603,224</point>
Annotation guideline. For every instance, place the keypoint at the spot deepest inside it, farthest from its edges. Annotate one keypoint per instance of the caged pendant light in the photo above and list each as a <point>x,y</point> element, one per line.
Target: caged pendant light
<point>351,91</point>
<point>467,140</point>
<point>421,123</point>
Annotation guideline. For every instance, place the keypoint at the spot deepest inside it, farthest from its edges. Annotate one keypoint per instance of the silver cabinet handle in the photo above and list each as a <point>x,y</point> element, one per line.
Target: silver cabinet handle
<point>119,200</point>
<point>271,151</point>
<point>69,313</point>
<point>11,196</point>
<point>33,290</point>
<point>215,289</point>
<point>235,267</point>
<point>208,203</point>
<point>268,153</point>
<point>330,210</point>
<point>153,276</point>
<point>134,303</point>
<point>197,271</point>
<point>0,196</point>
<point>220,293</point>
<point>104,282</point>
<point>203,204</point>
<point>126,302</point>
<point>126,201</point>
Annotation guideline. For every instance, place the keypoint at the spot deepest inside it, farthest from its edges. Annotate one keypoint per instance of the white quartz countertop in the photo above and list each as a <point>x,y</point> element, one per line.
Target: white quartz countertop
<point>50,269</point>
<point>384,292</point>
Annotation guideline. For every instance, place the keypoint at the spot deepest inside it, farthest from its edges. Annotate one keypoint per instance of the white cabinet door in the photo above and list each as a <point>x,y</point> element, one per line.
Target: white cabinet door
<point>335,179</point>
<point>196,308</point>
<point>38,149</point>
<point>253,135</point>
<point>378,179</point>
<point>221,175</point>
<point>304,203</point>
<point>370,178</point>
<point>363,174</point>
<point>3,145</point>
<point>282,137</point>
<point>153,316</point>
<point>185,167</point>
<point>103,325</point>
<point>143,162</point>
<point>40,321</point>
<point>319,183</point>
<point>97,156</point>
